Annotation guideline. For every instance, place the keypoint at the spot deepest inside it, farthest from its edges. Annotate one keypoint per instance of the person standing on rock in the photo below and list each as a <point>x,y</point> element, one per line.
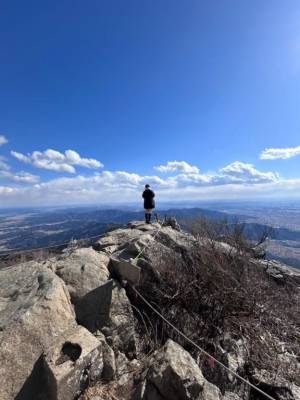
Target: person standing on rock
<point>149,203</point>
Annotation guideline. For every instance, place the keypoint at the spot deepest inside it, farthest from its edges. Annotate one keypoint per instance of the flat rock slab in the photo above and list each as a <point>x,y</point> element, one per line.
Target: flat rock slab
<point>142,226</point>
<point>116,240</point>
<point>82,270</point>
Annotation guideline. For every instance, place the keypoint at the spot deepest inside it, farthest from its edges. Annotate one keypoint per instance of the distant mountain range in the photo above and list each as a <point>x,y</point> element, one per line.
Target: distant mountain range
<point>34,228</point>
<point>29,229</point>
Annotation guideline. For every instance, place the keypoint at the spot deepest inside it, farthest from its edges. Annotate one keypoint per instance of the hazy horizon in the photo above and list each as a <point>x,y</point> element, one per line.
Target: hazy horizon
<point>138,205</point>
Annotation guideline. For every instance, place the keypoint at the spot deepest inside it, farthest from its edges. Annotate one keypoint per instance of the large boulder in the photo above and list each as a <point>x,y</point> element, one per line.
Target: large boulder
<point>71,364</point>
<point>174,375</point>
<point>35,310</point>
<point>175,240</point>
<point>108,309</point>
<point>82,270</point>
<point>143,256</point>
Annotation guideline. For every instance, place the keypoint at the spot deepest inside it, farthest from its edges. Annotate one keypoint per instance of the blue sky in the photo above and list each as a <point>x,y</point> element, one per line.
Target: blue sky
<point>197,89</point>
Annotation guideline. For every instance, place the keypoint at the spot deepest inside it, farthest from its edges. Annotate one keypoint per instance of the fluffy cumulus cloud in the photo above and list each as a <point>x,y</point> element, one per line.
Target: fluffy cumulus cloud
<point>239,172</point>
<point>3,140</point>
<point>56,161</point>
<point>234,173</point>
<point>284,153</point>
<point>236,180</point>
<point>178,166</point>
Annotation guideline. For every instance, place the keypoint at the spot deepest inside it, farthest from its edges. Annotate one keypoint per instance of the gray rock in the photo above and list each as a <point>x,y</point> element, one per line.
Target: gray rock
<point>172,222</point>
<point>108,309</point>
<point>235,357</point>
<point>142,226</point>
<point>122,367</point>
<point>274,273</point>
<point>82,270</point>
<point>144,252</point>
<point>277,269</point>
<point>35,310</point>
<point>135,247</point>
<point>176,376</point>
<point>146,391</point>
<point>125,270</point>
<point>109,362</point>
<point>175,240</point>
<point>93,310</point>
<point>232,396</point>
<point>218,246</point>
<point>120,328</point>
<point>74,362</point>
<point>281,388</point>
<point>116,239</point>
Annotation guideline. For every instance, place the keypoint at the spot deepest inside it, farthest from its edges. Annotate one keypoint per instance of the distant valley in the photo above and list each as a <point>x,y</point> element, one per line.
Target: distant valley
<point>34,228</point>
<point>29,229</point>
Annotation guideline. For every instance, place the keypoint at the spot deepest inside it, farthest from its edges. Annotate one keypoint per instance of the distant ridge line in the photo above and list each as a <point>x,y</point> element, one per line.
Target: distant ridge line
<point>22,251</point>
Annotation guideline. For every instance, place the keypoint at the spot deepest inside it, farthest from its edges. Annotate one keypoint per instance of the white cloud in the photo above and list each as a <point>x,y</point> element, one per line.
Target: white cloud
<point>74,158</point>
<point>101,189</point>
<point>5,190</point>
<point>234,173</point>
<point>284,153</point>
<point>20,157</point>
<point>240,172</point>
<point>236,180</point>
<point>55,161</point>
<point>25,177</point>
<point>178,166</point>
<point>3,165</point>
<point>20,177</point>
<point>3,140</point>
<point>45,163</point>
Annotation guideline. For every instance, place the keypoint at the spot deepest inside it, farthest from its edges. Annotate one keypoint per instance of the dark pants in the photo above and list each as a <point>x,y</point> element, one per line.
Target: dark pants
<point>148,215</point>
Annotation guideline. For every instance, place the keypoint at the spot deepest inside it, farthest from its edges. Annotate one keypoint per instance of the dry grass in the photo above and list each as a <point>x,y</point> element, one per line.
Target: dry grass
<point>110,391</point>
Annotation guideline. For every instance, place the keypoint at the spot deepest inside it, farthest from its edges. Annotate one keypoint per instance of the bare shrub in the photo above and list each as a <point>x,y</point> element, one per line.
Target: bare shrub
<point>212,292</point>
<point>234,233</point>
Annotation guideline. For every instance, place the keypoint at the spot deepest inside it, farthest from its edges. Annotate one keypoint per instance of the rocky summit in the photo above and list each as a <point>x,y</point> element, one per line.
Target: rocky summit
<point>73,326</point>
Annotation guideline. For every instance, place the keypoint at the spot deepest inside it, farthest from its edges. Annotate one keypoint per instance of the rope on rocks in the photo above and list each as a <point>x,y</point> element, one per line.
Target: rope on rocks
<point>17,251</point>
<point>200,348</point>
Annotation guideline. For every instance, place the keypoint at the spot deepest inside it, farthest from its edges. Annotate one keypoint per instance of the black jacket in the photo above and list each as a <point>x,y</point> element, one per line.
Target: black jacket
<point>148,196</point>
